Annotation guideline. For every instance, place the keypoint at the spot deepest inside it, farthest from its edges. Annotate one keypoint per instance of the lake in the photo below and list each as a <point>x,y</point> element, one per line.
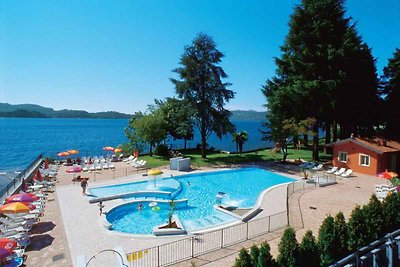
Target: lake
<point>23,139</point>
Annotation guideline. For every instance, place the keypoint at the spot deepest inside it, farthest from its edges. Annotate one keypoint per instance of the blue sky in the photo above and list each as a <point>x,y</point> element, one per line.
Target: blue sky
<point>119,55</point>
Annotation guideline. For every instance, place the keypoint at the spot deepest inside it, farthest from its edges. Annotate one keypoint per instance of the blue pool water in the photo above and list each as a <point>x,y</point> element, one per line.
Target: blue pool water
<point>242,188</point>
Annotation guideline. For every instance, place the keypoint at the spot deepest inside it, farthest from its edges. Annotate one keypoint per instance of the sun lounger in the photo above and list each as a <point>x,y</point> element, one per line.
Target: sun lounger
<point>97,166</point>
<point>317,168</point>
<point>347,173</point>
<point>333,170</point>
<point>340,171</point>
<point>5,229</point>
<point>130,158</point>
<point>92,168</point>
<point>141,164</point>
<point>26,216</point>
<point>111,165</point>
<point>135,163</point>
<point>10,223</point>
<point>104,166</point>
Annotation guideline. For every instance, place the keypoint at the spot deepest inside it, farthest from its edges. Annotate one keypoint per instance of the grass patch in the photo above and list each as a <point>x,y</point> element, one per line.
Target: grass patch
<point>220,159</point>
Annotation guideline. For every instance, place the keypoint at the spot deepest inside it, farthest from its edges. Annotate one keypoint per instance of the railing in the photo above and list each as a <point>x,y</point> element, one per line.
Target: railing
<point>16,181</point>
<point>204,243</point>
<point>382,252</point>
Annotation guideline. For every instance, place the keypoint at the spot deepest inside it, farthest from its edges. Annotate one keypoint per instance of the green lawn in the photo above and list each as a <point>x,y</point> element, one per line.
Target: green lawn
<point>216,158</point>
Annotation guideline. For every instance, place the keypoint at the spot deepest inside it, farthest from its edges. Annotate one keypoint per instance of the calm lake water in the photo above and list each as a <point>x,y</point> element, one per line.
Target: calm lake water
<point>24,139</point>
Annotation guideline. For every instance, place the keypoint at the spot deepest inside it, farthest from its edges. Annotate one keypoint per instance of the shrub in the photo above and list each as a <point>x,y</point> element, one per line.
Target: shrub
<point>326,243</point>
<point>161,150</point>
<point>341,237</point>
<point>308,249</point>
<point>288,249</point>
<point>358,233</point>
<point>374,219</point>
<point>243,260</point>
<point>265,258</point>
<point>254,253</point>
<point>391,209</point>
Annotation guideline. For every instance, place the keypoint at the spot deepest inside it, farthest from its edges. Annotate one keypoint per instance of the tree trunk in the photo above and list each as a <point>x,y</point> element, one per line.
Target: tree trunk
<point>203,141</point>
<point>184,143</point>
<point>240,148</point>
<point>334,135</point>
<point>305,140</point>
<point>328,133</point>
<point>315,146</point>
<point>284,151</point>
<point>151,150</point>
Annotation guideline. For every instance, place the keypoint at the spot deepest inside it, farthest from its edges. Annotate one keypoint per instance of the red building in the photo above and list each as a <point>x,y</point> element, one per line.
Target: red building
<point>367,155</point>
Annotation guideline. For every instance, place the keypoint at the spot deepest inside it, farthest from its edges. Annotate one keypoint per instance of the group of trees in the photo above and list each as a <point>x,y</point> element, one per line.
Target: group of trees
<point>201,96</point>
<point>327,73</point>
<point>336,237</point>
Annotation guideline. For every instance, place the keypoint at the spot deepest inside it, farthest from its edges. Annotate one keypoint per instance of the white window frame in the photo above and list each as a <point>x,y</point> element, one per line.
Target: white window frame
<point>339,157</point>
<point>369,160</point>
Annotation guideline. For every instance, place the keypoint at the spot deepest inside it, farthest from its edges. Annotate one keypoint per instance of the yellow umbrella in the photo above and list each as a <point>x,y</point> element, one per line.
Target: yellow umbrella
<point>14,207</point>
<point>73,151</point>
<point>117,150</point>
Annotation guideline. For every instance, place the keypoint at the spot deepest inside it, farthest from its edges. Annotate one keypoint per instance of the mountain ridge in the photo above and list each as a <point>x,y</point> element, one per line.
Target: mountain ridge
<point>37,111</point>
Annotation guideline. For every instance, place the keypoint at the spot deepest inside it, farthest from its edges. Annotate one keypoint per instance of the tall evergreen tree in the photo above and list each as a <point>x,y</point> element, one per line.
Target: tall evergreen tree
<point>374,219</point>
<point>243,260</point>
<point>323,69</point>
<point>391,85</point>
<point>200,84</point>
<point>254,254</point>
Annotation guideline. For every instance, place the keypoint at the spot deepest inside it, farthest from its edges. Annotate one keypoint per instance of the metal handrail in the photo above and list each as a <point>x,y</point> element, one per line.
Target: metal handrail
<point>107,250</point>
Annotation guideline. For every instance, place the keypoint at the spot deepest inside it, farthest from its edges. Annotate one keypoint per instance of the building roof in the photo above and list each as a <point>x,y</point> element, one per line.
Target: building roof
<point>373,143</point>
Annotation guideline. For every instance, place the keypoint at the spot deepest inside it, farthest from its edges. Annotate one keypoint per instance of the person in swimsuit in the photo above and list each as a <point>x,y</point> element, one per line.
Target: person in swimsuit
<point>84,184</point>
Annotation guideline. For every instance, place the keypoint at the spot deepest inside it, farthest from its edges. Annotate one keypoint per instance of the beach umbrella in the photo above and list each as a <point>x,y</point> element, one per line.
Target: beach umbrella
<point>63,154</point>
<point>7,243</point>
<point>108,148</point>
<point>4,253</point>
<point>387,175</point>
<point>74,169</point>
<point>22,197</point>
<point>73,151</point>
<point>16,207</point>
<point>38,176</point>
<point>117,150</point>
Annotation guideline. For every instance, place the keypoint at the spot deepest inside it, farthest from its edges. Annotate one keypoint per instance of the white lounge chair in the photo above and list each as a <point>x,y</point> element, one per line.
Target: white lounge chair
<point>340,171</point>
<point>111,165</point>
<point>347,173</point>
<point>104,166</point>
<point>333,170</point>
<point>128,159</point>
<point>9,223</point>
<point>92,168</point>
<point>317,168</point>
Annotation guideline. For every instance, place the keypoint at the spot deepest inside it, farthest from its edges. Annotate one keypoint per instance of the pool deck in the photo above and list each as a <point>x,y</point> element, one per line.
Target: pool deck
<point>78,229</point>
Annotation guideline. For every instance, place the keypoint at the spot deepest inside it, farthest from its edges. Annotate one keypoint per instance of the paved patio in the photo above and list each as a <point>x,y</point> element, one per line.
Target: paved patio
<point>72,227</point>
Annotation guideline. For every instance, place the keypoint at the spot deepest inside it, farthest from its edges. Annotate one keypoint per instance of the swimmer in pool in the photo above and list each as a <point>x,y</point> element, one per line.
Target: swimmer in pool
<point>140,207</point>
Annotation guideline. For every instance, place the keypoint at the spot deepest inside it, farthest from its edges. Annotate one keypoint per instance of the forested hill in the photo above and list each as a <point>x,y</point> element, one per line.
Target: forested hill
<point>248,115</point>
<point>36,111</point>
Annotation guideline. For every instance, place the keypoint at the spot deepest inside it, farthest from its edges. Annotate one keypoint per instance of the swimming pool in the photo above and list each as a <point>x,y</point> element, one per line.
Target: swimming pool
<point>242,188</point>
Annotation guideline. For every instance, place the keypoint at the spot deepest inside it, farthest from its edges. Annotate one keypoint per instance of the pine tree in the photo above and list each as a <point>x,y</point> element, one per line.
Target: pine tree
<point>200,85</point>
<point>309,254</point>
<point>288,249</point>
<point>391,85</point>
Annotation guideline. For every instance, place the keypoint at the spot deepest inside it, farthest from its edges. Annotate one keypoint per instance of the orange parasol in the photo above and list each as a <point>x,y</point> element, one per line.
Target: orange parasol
<point>117,150</point>
<point>73,151</point>
<point>108,148</point>
<point>15,207</point>
<point>63,154</point>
